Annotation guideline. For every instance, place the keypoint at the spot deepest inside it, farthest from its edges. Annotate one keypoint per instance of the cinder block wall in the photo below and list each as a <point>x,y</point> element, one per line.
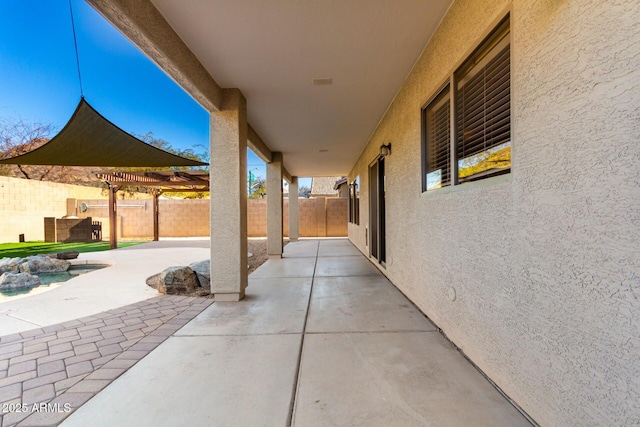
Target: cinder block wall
<point>25,203</point>
<point>257,217</point>
<point>307,224</point>
<point>318,217</point>
<point>183,218</point>
<point>337,217</point>
<point>135,217</point>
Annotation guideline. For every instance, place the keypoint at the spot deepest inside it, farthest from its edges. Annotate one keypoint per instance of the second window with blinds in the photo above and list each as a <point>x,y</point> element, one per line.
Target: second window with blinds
<point>466,126</point>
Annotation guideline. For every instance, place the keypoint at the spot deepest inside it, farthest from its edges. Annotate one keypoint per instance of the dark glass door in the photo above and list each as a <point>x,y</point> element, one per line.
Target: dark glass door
<point>377,190</point>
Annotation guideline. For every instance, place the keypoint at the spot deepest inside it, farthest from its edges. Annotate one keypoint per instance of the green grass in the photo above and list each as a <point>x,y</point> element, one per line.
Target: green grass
<point>26,249</point>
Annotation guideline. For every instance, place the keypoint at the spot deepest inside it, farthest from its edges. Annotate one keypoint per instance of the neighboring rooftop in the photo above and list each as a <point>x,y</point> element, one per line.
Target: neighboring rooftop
<point>324,186</point>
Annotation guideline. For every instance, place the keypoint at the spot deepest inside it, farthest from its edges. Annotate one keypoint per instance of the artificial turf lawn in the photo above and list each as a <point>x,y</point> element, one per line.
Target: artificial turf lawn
<point>22,250</point>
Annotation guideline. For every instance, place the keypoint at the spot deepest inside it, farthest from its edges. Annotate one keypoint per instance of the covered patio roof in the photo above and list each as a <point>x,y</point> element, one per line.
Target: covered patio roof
<point>317,84</point>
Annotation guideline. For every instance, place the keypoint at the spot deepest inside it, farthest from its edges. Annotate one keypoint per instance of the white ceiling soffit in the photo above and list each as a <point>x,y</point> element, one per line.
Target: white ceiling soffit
<point>273,50</point>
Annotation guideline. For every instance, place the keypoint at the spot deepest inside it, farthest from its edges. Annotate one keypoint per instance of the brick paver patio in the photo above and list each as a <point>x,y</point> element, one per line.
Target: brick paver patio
<point>47,373</point>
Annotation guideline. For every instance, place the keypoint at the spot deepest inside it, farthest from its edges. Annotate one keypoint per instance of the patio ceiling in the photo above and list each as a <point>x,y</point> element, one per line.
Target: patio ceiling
<point>272,51</point>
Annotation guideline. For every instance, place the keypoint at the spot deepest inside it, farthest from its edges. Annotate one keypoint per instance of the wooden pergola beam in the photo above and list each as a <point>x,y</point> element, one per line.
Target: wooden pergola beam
<point>184,190</point>
<point>158,183</point>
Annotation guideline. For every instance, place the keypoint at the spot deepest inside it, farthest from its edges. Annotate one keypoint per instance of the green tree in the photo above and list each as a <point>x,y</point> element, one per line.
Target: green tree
<point>304,191</point>
<point>198,152</point>
<point>201,155</point>
<point>258,188</point>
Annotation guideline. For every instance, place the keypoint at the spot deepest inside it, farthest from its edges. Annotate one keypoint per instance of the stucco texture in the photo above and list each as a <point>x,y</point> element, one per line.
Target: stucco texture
<point>545,262</point>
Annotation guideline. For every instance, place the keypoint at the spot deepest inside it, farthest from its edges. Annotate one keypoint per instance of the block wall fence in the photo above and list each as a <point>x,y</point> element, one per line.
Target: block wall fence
<point>25,203</point>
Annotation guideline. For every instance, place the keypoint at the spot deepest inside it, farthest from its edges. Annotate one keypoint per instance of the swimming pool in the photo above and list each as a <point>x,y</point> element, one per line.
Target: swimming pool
<point>50,281</point>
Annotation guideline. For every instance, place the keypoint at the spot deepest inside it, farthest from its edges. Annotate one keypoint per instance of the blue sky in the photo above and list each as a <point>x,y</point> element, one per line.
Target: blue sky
<point>39,79</point>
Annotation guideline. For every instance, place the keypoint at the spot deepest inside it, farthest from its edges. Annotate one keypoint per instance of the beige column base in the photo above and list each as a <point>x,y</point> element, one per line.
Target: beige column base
<point>230,297</point>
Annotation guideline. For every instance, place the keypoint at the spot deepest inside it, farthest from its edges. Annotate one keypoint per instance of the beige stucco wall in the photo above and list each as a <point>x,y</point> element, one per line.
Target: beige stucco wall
<point>25,203</point>
<point>545,262</point>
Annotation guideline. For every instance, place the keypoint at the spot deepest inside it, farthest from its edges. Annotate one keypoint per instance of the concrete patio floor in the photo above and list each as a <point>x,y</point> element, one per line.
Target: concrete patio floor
<point>321,339</point>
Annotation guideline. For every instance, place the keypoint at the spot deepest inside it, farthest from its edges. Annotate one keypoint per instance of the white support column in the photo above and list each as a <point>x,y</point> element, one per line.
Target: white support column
<point>228,140</point>
<point>293,210</point>
<point>274,206</point>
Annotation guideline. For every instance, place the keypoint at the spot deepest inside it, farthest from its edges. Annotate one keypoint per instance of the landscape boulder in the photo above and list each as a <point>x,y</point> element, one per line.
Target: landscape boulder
<point>174,280</point>
<point>18,281</point>
<point>67,255</point>
<point>155,282</point>
<point>11,265</point>
<point>203,272</point>
<point>43,264</point>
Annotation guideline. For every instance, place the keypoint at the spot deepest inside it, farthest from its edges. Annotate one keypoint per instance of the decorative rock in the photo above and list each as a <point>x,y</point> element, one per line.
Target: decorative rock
<point>174,280</point>
<point>67,255</point>
<point>11,265</point>
<point>155,282</point>
<point>203,272</point>
<point>18,281</point>
<point>43,264</point>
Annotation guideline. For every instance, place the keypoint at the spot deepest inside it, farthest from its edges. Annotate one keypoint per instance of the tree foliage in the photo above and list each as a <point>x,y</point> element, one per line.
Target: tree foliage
<point>257,188</point>
<point>199,152</point>
<point>496,158</point>
<point>304,191</point>
<point>202,155</point>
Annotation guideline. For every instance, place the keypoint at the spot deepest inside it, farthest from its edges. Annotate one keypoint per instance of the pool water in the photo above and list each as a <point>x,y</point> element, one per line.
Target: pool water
<point>50,281</point>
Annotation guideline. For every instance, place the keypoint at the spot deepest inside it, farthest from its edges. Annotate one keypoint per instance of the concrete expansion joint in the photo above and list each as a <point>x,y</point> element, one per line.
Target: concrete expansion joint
<point>399,331</point>
<point>265,334</point>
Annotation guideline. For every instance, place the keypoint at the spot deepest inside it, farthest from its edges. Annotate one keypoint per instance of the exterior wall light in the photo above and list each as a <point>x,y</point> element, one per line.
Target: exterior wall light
<point>385,150</point>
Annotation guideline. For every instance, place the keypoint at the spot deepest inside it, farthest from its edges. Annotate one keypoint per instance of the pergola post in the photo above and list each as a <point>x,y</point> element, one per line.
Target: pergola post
<point>113,216</point>
<point>228,189</point>
<point>293,210</point>
<point>156,212</point>
<point>274,206</point>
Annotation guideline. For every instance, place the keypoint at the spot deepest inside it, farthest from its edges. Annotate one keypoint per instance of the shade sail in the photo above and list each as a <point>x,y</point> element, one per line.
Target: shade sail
<point>89,139</point>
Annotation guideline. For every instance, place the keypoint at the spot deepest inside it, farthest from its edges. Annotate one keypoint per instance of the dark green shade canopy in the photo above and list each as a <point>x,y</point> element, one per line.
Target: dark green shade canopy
<point>89,139</point>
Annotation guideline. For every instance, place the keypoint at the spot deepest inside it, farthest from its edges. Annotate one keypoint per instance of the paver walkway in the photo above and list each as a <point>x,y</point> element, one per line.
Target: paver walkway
<point>47,373</point>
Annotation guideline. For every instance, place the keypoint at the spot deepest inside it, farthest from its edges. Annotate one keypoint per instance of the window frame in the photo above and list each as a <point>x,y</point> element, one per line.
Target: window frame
<point>433,102</point>
<point>500,30</point>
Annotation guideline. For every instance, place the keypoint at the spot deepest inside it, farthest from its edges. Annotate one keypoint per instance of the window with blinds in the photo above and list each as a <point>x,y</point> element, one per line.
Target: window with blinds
<point>483,109</point>
<point>437,130</point>
<point>478,97</point>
